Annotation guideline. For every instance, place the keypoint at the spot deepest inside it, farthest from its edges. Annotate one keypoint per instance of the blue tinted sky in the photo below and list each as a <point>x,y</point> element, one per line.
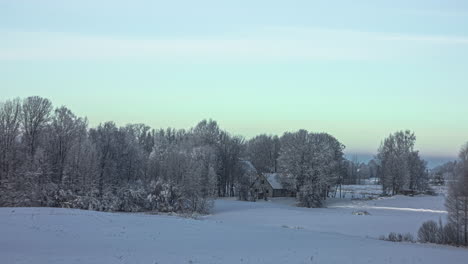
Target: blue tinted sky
<point>356,69</point>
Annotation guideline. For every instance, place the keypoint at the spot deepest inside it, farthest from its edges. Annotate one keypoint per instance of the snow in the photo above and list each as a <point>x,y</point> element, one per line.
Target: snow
<point>272,231</point>
<point>273,180</point>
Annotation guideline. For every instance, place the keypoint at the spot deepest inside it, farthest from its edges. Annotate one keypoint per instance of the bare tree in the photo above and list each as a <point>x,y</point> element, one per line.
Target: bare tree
<point>263,152</point>
<point>457,199</point>
<point>65,128</point>
<point>103,138</point>
<point>36,113</point>
<point>400,166</point>
<point>9,131</point>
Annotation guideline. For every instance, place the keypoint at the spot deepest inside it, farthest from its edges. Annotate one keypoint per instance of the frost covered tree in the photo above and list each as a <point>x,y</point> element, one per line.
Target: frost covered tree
<point>228,157</point>
<point>199,182</point>
<point>457,199</point>
<point>263,151</point>
<point>207,132</point>
<point>186,169</point>
<point>400,167</point>
<point>63,134</point>
<point>418,173</point>
<point>314,162</point>
<point>31,182</point>
<point>104,140</point>
<point>83,163</point>
<point>35,115</point>
<point>10,114</point>
<point>143,136</point>
<point>228,150</point>
<point>247,178</point>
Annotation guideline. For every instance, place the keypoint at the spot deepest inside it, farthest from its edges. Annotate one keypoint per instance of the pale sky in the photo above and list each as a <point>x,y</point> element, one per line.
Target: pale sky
<point>358,70</point>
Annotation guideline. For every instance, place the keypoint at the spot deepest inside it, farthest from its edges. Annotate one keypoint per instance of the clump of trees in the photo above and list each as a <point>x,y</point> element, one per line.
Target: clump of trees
<point>431,232</point>
<point>312,162</point>
<point>49,157</point>
<point>439,233</point>
<point>398,237</point>
<point>400,167</point>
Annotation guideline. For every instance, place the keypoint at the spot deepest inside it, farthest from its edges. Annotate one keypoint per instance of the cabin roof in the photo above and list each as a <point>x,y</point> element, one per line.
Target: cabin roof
<point>273,180</point>
<point>248,166</point>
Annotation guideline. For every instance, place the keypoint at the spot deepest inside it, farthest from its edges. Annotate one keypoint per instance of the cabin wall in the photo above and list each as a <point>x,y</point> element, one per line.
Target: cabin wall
<point>263,189</point>
<point>283,193</point>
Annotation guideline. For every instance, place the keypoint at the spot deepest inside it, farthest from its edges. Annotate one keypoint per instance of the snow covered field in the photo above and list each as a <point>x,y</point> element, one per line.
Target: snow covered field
<point>236,232</point>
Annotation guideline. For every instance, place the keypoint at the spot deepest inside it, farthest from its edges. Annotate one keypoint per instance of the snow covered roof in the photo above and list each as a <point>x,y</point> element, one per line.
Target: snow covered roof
<point>273,180</point>
<point>248,166</point>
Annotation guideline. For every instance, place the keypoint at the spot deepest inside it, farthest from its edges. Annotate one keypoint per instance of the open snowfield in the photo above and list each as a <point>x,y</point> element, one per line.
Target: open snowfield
<point>236,232</point>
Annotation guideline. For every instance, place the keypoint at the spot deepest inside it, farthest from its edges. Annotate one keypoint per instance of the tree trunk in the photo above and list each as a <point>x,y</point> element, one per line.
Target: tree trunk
<point>465,224</point>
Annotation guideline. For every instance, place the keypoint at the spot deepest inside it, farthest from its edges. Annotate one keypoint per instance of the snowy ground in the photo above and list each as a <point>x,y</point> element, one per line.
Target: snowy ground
<point>236,232</point>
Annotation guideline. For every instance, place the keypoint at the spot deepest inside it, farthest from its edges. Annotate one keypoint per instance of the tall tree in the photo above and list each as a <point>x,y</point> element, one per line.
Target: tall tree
<point>10,112</point>
<point>263,152</point>
<point>418,173</point>
<point>314,163</point>
<point>36,113</point>
<point>457,199</point>
<point>229,152</point>
<point>400,166</point>
<point>64,130</point>
<point>104,139</point>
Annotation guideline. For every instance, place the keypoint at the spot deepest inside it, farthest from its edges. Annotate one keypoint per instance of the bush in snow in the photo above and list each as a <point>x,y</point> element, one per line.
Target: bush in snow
<point>163,197</point>
<point>408,237</point>
<point>398,237</point>
<point>431,232</point>
<point>85,203</point>
<point>428,232</point>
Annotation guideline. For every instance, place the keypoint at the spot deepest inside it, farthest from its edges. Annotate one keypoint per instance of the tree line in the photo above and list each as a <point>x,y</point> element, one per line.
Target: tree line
<point>51,157</point>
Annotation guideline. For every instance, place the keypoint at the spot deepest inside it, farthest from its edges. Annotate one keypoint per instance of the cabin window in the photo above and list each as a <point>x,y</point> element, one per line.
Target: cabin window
<point>263,182</point>
<point>256,190</point>
<point>267,191</point>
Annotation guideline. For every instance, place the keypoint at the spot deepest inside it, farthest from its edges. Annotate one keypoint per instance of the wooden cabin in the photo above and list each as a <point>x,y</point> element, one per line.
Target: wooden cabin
<point>269,185</point>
